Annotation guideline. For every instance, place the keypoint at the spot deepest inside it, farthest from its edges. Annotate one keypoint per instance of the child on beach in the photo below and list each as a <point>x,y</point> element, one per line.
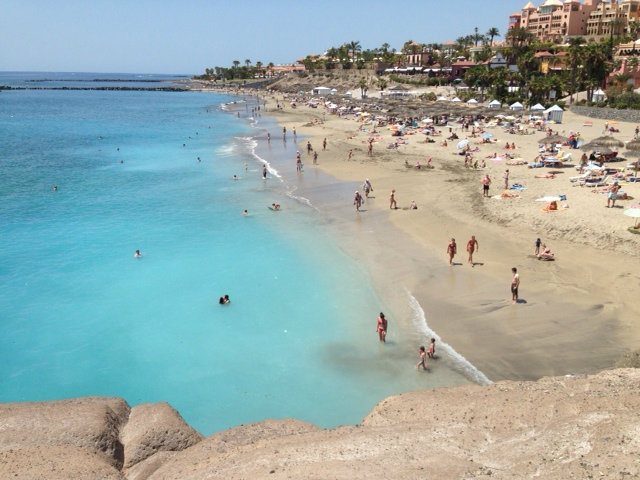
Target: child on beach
<point>538,243</point>
<point>432,349</point>
<point>423,358</point>
<point>357,201</point>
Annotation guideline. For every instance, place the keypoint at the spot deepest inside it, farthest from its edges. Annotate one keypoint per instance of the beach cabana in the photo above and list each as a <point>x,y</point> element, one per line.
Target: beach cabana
<point>554,113</point>
<point>537,107</point>
<point>495,104</point>
<point>598,96</point>
<point>516,106</point>
<point>323,91</point>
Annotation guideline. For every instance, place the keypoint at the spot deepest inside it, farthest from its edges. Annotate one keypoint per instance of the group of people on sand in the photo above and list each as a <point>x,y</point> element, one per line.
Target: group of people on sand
<point>472,246</point>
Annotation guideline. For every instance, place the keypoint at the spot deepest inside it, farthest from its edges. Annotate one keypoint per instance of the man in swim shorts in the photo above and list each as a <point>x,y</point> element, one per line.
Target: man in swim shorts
<point>613,194</point>
<point>515,283</point>
<point>486,181</point>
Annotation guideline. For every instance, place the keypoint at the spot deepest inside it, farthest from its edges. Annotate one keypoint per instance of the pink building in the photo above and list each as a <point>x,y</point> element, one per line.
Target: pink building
<point>555,20</point>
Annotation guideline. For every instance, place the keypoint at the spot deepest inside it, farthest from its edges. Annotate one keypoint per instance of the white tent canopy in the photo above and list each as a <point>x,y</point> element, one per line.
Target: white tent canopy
<point>537,106</point>
<point>456,100</point>
<point>495,104</point>
<point>516,106</point>
<point>598,96</point>
<point>473,101</point>
<point>554,113</point>
<point>442,99</point>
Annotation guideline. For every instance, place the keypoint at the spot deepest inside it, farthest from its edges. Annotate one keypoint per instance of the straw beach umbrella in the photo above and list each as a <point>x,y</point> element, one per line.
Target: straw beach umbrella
<point>604,141</point>
<point>553,140</point>
<point>633,212</point>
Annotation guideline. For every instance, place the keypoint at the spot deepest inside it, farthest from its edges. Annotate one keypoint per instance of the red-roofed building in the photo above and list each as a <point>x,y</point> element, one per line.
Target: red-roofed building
<point>458,69</point>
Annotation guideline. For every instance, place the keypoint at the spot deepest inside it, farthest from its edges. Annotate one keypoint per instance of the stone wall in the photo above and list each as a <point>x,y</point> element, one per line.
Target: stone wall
<point>607,113</point>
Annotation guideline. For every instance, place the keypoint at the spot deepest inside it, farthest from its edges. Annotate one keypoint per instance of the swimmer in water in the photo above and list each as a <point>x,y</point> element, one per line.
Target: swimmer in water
<point>224,300</point>
<point>264,171</point>
<point>137,254</point>
<point>245,212</point>
<point>235,177</point>
<point>199,160</point>
<point>55,188</point>
<point>275,206</point>
<point>268,138</point>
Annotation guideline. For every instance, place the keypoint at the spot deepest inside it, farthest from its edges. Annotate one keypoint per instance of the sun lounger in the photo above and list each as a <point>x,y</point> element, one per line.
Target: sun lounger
<point>596,182</point>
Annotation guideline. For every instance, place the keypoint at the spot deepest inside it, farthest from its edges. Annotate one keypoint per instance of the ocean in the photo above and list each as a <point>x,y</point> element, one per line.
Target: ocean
<point>79,315</point>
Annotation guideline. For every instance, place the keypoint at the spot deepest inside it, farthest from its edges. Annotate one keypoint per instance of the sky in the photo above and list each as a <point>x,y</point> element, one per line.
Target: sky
<point>186,36</point>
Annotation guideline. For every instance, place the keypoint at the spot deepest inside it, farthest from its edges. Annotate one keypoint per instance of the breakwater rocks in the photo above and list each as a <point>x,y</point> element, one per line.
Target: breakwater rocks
<point>557,427</point>
<point>114,88</point>
<point>607,113</point>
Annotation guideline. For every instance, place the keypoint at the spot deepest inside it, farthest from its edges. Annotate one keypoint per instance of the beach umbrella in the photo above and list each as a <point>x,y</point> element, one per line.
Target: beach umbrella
<point>633,212</point>
<point>487,136</point>
<point>553,140</point>
<point>549,198</point>
<point>462,144</point>
<point>604,141</point>
<point>633,145</point>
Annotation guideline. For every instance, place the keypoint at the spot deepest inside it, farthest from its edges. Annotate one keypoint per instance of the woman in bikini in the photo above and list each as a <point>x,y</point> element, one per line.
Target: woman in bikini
<point>382,328</point>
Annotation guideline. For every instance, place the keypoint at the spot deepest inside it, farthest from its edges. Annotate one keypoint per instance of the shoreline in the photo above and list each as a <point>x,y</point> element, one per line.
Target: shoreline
<point>505,342</point>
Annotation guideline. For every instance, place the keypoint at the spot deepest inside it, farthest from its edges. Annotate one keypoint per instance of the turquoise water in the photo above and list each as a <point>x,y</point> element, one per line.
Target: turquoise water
<point>81,316</point>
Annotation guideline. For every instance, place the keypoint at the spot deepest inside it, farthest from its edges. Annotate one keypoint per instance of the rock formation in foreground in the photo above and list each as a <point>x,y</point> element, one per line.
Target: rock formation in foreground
<point>559,427</point>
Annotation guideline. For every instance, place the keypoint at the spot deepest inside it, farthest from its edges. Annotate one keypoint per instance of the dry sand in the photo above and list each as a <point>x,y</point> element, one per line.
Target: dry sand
<point>580,312</point>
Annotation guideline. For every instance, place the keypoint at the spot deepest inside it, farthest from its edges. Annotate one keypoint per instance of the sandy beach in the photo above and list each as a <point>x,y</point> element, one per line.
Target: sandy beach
<point>577,314</point>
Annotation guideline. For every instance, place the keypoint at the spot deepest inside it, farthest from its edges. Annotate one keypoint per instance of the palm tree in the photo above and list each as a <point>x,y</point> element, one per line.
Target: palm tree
<point>382,83</point>
<point>236,63</point>
<point>355,47</point>
<point>247,62</point>
<point>363,87</point>
<point>385,47</point>
<point>491,33</point>
<point>476,36</point>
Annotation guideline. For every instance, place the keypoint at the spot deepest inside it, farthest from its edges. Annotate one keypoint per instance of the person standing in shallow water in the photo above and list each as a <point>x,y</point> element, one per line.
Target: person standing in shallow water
<point>382,328</point>
<point>392,200</point>
<point>423,357</point>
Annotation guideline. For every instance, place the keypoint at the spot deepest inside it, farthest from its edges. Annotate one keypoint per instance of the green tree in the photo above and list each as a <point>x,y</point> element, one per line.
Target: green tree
<point>236,63</point>
<point>382,83</point>
<point>492,33</point>
<point>364,86</point>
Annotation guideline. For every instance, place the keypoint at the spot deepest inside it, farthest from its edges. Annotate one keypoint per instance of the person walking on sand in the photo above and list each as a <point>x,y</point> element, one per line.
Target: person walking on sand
<point>613,194</point>
<point>422,358</point>
<point>370,148</point>
<point>515,284</point>
<point>392,200</point>
<point>472,245</point>
<point>367,188</point>
<point>357,201</point>
<point>452,249</point>
<point>381,328</point>
<point>486,181</point>
<point>350,154</point>
<point>324,144</point>
<point>506,179</point>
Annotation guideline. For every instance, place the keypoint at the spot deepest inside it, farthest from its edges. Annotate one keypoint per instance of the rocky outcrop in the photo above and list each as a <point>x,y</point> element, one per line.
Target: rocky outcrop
<point>53,462</point>
<point>560,427</point>
<point>155,427</point>
<point>605,113</point>
<point>91,423</point>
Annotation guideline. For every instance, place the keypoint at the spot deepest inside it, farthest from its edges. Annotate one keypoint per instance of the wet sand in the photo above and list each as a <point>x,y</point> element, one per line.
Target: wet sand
<point>577,314</point>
